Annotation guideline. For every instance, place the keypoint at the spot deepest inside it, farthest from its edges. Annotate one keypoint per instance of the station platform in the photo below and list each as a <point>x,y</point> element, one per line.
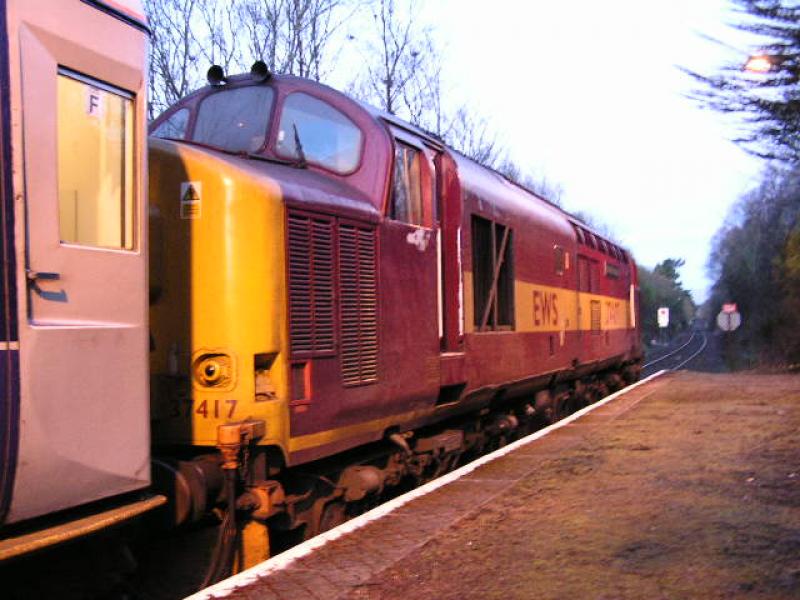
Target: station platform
<point>686,485</point>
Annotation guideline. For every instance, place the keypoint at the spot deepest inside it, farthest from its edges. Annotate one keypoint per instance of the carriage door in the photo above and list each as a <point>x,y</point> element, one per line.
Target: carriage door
<point>84,339</point>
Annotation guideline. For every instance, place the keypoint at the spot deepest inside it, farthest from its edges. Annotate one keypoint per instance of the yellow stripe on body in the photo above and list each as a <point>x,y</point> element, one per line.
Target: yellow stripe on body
<point>538,308</point>
<point>548,309</point>
<point>321,438</point>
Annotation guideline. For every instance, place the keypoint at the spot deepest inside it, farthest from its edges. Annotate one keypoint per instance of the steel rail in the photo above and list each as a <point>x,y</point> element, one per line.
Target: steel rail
<point>693,356</point>
<point>658,360</point>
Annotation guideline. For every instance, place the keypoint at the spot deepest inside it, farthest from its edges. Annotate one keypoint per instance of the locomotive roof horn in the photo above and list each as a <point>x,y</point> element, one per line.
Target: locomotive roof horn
<point>215,75</point>
<point>260,72</point>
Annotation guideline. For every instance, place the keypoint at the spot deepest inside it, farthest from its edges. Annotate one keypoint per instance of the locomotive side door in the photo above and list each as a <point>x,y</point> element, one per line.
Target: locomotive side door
<point>409,274</point>
<point>78,91</point>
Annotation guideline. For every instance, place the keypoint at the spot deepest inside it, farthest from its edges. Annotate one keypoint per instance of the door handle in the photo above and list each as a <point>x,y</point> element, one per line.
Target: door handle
<point>43,275</point>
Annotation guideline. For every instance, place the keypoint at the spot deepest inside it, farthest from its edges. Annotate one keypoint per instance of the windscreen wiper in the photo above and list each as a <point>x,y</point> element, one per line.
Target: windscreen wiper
<point>302,162</point>
<point>269,159</point>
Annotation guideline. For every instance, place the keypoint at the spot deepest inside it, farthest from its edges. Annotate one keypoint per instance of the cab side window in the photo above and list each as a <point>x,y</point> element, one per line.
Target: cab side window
<point>174,127</point>
<point>406,203</point>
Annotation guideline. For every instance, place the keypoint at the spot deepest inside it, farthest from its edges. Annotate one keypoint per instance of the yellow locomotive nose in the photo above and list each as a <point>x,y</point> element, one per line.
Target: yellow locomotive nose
<point>218,312</point>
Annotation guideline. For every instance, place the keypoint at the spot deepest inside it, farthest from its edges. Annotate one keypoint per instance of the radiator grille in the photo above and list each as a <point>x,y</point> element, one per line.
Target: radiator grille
<point>311,284</point>
<point>358,304</point>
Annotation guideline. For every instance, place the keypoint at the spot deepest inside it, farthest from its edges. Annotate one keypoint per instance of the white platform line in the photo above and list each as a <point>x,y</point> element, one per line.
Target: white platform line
<point>281,561</point>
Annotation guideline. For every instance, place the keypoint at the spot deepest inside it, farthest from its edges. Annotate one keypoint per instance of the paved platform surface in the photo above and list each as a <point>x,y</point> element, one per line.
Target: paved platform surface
<point>686,487</point>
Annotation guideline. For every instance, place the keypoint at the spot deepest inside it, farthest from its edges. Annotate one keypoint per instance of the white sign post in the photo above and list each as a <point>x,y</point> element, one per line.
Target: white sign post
<point>663,323</point>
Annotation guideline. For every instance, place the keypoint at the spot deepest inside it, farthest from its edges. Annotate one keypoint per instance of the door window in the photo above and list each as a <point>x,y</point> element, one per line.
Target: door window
<point>95,163</point>
<point>407,185</point>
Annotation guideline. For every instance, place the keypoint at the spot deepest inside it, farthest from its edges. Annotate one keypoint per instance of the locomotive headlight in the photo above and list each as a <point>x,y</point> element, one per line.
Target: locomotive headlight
<point>213,370</point>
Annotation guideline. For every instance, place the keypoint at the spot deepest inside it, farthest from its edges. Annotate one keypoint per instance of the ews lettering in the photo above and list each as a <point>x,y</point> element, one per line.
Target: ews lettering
<point>545,308</point>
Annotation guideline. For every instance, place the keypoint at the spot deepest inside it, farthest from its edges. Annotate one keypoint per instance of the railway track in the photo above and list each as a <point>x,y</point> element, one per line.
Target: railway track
<point>679,357</point>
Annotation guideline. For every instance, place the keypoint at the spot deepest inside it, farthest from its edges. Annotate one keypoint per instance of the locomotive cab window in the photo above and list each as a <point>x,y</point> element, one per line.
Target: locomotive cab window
<point>235,120</point>
<point>175,126</point>
<point>313,130</point>
<point>493,275</point>
<point>95,163</point>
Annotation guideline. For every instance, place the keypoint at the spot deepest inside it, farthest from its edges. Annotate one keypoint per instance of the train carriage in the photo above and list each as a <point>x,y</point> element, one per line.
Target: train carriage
<point>74,410</point>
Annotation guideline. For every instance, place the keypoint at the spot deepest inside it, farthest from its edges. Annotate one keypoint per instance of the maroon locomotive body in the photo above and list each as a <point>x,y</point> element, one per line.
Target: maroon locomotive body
<point>335,277</point>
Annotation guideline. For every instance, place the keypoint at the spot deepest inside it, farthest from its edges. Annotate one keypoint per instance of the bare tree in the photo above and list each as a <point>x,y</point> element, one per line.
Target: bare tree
<point>470,135</point>
<point>215,33</point>
<point>173,52</point>
<point>422,94</point>
<point>310,25</point>
<point>539,185</point>
<point>292,36</point>
<point>397,55</point>
<point>262,21</point>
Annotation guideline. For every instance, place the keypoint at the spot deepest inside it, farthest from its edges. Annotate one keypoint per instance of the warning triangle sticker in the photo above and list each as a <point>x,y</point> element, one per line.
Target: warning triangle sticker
<point>190,195</point>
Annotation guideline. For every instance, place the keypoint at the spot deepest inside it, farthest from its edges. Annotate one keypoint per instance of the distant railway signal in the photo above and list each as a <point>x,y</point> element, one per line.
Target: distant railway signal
<point>663,317</point>
<point>729,321</point>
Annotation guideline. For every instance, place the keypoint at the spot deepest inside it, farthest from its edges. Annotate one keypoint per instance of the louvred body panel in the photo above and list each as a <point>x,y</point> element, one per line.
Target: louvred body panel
<point>311,285</point>
<point>359,304</point>
<point>315,244</point>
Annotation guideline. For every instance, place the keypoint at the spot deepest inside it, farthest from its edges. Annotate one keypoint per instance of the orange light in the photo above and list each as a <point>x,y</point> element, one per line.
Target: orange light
<point>758,64</point>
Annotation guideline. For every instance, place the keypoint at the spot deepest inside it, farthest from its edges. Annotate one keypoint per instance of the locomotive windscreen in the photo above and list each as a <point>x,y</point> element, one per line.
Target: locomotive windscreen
<point>235,120</point>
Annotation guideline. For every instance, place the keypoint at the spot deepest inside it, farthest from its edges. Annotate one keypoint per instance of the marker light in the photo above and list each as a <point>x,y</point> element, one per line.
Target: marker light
<point>259,71</point>
<point>215,75</point>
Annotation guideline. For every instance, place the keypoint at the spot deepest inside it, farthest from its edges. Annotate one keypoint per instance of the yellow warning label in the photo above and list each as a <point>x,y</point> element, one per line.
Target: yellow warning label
<point>191,199</point>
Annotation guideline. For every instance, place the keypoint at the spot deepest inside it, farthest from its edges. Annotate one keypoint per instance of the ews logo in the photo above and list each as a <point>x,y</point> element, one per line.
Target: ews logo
<point>545,308</point>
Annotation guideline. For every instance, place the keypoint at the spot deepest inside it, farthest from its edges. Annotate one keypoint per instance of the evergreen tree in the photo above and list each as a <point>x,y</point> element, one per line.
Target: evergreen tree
<point>765,92</point>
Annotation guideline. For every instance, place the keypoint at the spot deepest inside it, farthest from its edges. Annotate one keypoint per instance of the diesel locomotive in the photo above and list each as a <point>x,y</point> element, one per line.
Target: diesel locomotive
<point>325,276</point>
<point>340,305</point>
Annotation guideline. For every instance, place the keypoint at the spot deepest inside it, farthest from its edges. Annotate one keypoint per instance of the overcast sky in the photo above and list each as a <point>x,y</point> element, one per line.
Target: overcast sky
<point>589,95</point>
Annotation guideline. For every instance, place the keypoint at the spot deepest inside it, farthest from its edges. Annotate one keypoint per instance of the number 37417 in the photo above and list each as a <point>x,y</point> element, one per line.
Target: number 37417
<point>216,409</point>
